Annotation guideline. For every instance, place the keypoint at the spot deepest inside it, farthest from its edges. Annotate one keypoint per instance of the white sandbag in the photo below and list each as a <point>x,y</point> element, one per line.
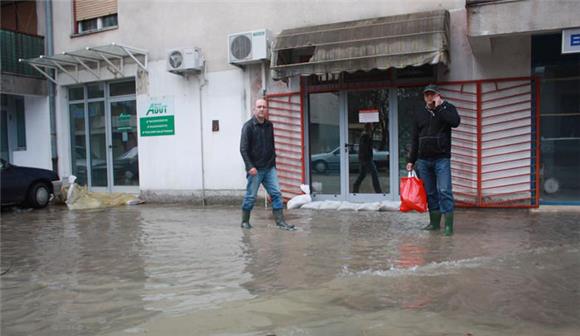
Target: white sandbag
<point>330,205</point>
<point>298,201</point>
<point>71,186</point>
<point>390,205</point>
<point>305,188</point>
<point>348,206</point>
<point>374,206</point>
<point>80,198</point>
<point>312,205</point>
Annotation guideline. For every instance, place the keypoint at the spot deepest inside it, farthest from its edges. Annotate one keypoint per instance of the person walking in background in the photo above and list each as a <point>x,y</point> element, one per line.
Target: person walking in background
<point>430,155</point>
<point>257,149</point>
<point>365,159</point>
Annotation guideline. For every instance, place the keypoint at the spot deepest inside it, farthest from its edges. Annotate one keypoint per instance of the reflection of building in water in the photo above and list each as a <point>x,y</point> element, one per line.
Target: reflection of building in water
<point>99,270</point>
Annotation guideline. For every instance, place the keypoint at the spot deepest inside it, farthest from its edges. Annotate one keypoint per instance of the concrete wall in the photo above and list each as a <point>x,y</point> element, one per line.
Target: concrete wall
<point>499,57</point>
<point>37,153</point>
<point>522,17</point>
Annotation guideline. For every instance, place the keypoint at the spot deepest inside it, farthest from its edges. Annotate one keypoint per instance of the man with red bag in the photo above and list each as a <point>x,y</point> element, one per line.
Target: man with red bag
<point>430,155</point>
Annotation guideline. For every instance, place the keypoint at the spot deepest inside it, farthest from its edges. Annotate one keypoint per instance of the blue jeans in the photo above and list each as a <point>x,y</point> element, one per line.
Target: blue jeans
<point>436,176</point>
<point>269,178</point>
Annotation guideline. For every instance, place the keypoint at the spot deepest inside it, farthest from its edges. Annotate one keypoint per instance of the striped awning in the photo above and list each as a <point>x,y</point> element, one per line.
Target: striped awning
<point>379,43</point>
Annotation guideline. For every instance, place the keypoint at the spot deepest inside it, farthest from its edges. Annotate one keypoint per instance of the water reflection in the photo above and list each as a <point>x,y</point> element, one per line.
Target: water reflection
<point>105,271</point>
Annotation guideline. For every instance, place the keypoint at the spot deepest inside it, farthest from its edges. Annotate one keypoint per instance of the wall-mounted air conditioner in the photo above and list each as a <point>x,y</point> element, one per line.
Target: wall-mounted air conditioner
<point>249,47</point>
<point>184,60</point>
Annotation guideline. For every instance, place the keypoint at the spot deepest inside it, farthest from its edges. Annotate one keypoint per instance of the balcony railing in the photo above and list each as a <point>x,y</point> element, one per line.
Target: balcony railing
<point>16,45</point>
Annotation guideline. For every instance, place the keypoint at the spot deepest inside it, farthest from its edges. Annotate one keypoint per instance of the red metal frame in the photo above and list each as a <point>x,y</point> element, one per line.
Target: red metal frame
<point>281,106</point>
<point>472,147</point>
<point>537,83</point>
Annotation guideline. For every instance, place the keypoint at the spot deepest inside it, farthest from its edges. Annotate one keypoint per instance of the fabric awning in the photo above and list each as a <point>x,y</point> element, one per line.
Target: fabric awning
<point>378,43</point>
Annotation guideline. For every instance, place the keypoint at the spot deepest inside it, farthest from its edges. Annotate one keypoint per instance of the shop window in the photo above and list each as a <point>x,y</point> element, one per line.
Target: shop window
<point>76,93</point>
<point>122,88</point>
<point>559,76</point>
<point>95,90</point>
<point>93,16</point>
<point>13,123</point>
<point>20,121</point>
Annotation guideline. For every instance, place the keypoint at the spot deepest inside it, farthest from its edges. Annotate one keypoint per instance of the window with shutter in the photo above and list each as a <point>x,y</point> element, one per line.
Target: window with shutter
<point>91,16</point>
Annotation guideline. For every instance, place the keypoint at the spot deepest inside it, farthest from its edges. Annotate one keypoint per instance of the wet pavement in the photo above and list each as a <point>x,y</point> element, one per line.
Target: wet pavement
<point>177,270</point>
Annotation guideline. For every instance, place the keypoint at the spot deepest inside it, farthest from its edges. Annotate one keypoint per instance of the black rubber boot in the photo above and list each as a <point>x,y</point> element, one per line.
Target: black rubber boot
<point>434,221</point>
<point>449,224</point>
<point>280,222</point>
<point>246,220</point>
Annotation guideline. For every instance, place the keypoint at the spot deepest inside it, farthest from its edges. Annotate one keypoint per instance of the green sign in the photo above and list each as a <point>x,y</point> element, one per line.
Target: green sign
<point>158,118</point>
<point>153,126</point>
<point>124,123</point>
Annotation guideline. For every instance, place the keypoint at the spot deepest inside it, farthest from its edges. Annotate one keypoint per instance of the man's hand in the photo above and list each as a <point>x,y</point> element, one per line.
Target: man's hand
<point>409,166</point>
<point>253,171</point>
<point>438,100</point>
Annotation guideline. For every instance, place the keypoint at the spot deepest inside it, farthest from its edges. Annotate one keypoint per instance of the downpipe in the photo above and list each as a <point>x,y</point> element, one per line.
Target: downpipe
<point>51,86</point>
<point>202,83</point>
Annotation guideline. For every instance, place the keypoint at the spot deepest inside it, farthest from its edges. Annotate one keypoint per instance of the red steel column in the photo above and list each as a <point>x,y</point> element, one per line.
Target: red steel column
<point>302,128</point>
<point>479,144</point>
<point>537,84</point>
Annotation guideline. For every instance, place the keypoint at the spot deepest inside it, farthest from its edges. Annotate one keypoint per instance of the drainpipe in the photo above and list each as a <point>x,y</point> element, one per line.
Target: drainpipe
<point>202,83</point>
<point>51,87</point>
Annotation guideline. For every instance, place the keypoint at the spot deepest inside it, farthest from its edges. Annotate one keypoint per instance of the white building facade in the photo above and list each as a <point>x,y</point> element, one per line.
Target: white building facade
<point>126,123</point>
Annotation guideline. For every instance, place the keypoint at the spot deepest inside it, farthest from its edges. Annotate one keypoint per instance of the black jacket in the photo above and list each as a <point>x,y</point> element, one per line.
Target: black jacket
<point>431,132</point>
<point>365,148</point>
<point>257,144</point>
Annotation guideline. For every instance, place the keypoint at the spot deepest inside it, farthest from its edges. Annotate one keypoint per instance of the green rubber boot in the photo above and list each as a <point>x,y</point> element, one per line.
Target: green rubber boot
<point>280,222</point>
<point>449,224</point>
<point>246,220</point>
<point>434,221</point>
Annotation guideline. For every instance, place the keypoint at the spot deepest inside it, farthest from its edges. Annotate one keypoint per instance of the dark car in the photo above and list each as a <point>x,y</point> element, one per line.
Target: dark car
<point>29,187</point>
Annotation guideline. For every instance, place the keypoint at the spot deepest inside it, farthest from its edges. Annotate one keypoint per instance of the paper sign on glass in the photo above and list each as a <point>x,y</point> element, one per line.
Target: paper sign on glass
<point>368,116</point>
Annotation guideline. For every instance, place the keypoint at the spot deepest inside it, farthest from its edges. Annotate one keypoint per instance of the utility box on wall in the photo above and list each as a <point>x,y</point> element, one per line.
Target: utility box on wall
<point>249,47</point>
<point>184,60</point>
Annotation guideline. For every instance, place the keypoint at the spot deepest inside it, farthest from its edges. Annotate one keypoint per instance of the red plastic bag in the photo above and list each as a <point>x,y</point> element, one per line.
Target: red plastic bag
<point>413,196</point>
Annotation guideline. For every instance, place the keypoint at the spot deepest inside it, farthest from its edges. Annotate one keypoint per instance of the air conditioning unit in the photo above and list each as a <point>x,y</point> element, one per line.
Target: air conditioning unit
<point>184,60</point>
<point>249,47</point>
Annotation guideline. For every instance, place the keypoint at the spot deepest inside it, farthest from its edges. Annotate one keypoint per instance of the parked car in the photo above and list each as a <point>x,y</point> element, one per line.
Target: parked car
<point>331,161</point>
<point>25,186</point>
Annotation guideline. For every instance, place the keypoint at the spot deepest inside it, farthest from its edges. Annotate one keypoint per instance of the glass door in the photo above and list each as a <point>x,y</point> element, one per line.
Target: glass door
<point>353,145</point>
<point>104,152</point>
<point>368,143</point>
<point>326,152</point>
<point>125,159</point>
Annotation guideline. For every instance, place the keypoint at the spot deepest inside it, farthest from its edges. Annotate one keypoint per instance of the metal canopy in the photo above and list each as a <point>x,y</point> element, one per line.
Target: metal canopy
<point>378,43</point>
<point>112,56</point>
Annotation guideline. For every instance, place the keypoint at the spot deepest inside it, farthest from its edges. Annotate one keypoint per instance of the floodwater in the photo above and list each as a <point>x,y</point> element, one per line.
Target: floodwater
<point>179,270</point>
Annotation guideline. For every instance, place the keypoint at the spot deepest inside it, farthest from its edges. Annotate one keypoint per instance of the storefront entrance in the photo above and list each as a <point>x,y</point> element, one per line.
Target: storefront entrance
<point>358,142</point>
<point>103,127</point>
<point>559,76</point>
<point>350,145</point>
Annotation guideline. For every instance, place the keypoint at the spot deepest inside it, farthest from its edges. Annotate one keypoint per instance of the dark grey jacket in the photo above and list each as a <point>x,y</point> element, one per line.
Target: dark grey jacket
<point>431,132</point>
<point>257,144</point>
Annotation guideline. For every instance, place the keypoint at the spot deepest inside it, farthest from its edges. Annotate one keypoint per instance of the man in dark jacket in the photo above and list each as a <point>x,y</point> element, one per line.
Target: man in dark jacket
<point>365,159</point>
<point>431,155</point>
<point>257,149</point>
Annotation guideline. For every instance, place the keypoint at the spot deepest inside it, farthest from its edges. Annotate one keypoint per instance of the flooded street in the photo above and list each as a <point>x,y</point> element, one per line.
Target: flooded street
<point>179,270</point>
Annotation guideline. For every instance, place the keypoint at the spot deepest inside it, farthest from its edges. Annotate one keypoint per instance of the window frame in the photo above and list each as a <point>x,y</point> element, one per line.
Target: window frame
<point>77,24</point>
